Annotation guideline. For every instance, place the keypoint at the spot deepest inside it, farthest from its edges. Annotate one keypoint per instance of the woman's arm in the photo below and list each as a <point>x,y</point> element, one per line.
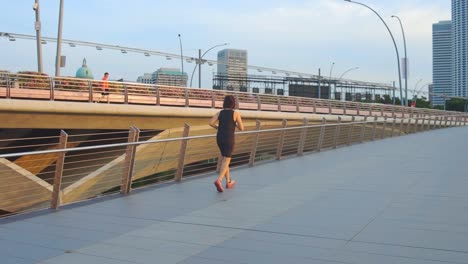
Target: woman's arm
<point>214,120</point>
<point>238,120</point>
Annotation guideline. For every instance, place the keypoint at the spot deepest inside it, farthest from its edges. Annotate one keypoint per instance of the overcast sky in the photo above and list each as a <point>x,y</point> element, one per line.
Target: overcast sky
<point>296,35</point>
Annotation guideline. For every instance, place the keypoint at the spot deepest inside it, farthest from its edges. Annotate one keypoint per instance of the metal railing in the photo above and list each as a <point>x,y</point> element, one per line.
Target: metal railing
<point>72,169</point>
<point>38,87</point>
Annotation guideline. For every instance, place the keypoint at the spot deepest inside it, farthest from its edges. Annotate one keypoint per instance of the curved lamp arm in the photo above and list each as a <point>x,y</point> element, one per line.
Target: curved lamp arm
<point>199,62</point>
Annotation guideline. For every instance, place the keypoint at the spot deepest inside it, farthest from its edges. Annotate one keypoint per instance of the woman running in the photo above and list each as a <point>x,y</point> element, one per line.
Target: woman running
<point>227,120</point>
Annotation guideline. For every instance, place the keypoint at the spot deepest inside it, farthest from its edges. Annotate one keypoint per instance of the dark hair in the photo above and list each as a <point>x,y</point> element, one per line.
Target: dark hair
<point>229,102</point>
<point>106,73</point>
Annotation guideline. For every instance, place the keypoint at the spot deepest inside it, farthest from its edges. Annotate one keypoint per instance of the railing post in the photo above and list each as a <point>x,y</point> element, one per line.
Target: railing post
<point>393,126</point>
<point>279,151</point>
<point>8,85</point>
<point>314,105</point>
<point>337,133</point>
<point>158,95</point>
<point>51,87</point>
<point>423,123</point>
<point>370,110</point>
<point>182,152</point>
<point>56,191</point>
<point>401,127</point>
<point>434,125</point>
<point>279,103</point>
<point>322,134</point>
<point>133,135</point>
<point>253,152</point>
<point>297,105</point>
<point>351,130</point>
<point>125,94</point>
<point>363,129</point>
<point>411,112</point>
<point>440,121</point>
<point>446,121</point>
<point>384,127</point>
<point>91,94</point>
<point>344,108</point>
<point>302,139</point>
<point>329,107</point>
<point>259,103</point>
<point>464,120</point>
<point>213,102</point>
<point>374,125</point>
<point>416,129</point>
<point>382,108</point>
<point>358,109</point>
<point>393,112</point>
<point>186,96</point>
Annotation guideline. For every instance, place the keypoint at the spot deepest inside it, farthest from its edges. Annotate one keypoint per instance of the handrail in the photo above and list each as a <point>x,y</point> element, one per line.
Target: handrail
<point>67,175</point>
<point>75,89</point>
<point>183,138</point>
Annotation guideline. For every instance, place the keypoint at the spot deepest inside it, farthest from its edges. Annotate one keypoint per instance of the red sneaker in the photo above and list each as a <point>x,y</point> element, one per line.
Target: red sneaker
<point>219,186</point>
<point>230,184</point>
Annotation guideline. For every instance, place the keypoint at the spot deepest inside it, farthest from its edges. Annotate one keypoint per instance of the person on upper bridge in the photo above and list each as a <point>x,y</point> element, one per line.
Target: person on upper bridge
<point>226,122</point>
<point>105,87</point>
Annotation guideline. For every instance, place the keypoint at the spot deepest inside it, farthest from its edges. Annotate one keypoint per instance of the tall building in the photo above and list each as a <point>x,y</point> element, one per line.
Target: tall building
<point>146,78</point>
<point>460,46</point>
<point>169,77</point>
<point>233,64</point>
<point>442,61</point>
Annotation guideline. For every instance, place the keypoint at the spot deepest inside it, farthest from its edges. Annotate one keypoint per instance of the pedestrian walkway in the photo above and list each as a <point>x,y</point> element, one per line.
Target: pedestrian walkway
<point>398,200</point>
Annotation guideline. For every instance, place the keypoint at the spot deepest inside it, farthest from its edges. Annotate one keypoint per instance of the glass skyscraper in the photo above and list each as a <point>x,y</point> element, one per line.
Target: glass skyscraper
<point>460,46</point>
<point>442,62</point>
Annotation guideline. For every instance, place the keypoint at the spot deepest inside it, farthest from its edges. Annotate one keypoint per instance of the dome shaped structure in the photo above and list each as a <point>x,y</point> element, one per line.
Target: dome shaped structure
<point>84,72</point>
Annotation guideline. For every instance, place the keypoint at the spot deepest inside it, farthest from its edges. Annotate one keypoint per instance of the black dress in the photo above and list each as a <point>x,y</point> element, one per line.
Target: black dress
<point>225,135</point>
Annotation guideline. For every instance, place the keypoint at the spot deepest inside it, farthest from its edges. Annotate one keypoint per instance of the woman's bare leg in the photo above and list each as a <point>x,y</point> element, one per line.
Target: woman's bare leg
<point>224,171</point>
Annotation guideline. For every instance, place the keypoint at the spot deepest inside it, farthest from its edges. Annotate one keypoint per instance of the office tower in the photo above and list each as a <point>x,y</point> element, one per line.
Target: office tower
<point>442,61</point>
<point>170,77</point>
<point>460,47</point>
<point>232,63</point>
<point>146,78</point>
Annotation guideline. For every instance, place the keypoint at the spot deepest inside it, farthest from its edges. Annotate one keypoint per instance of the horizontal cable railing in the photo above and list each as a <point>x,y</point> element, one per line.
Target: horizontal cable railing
<point>79,167</point>
<point>41,87</point>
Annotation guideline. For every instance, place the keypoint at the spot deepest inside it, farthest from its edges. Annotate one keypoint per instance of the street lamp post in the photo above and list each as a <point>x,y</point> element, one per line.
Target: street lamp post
<point>342,75</point>
<point>351,69</point>
<point>181,55</point>
<point>199,63</point>
<point>329,79</point>
<point>37,26</point>
<point>406,61</point>
<point>394,43</point>
<point>59,41</point>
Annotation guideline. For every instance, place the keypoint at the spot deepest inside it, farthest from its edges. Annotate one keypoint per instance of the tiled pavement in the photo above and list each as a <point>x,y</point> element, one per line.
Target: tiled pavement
<point>399,200</point>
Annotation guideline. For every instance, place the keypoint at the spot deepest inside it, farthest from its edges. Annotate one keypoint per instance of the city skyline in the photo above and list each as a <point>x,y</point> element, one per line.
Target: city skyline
<point>291,36</point>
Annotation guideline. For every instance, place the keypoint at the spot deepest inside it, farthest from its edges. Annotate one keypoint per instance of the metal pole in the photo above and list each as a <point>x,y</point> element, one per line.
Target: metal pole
<point>59,41</point>
<point>201,57</point>
<point>199,68</point>
<point>394,43</point>
<point>329,81</point>
<point>37,26</point>
<point>406,61</point>
<point>319,96</point>
<point>181,54</point>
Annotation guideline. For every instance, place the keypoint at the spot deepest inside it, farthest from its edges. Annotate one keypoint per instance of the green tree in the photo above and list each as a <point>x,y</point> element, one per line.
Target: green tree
<point>456,104</point>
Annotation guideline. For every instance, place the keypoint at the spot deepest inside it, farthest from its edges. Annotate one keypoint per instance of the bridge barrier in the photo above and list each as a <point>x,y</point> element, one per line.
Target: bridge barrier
<point>40,87</point>
<point>69,168</point>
